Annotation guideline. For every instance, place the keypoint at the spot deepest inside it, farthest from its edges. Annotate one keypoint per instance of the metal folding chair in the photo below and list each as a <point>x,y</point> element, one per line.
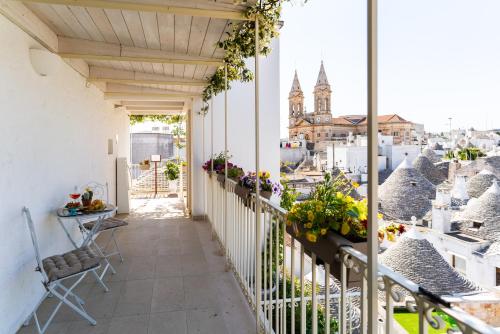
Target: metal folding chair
<point>56,269</point>
<point>108,224</point>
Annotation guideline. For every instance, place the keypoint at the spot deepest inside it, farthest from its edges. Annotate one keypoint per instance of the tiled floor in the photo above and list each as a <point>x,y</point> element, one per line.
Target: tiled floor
<point>172,281</point>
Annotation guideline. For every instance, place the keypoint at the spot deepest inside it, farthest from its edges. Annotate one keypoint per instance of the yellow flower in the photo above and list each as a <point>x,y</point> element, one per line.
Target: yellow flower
<point>319,207</point>
<point>323,231</point>
<point>288,222</point>
<point>345,229</point>
<point>308,225</point>
<point>310,215</point>
<point>355,185</point>
<point>311,237</point>
<point>390,236</point>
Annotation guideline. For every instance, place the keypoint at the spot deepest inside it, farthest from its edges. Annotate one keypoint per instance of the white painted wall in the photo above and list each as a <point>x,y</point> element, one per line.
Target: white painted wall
<point>480,270</point>
<point>53,134</point>
<point>241,126</point>
<point>351,158</point>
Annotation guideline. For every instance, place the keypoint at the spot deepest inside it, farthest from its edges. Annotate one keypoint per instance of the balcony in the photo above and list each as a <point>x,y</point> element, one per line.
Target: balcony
<point>314,301</point>
<point>222,268</point>
<point>171,281</point>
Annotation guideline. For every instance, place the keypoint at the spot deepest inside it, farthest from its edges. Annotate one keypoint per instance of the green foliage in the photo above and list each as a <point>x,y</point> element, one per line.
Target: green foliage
<point>272,265</point>
<point>329,208</point>
<point>309,312</point>
<point>134,119</point>
<point>468,153</point>
<point>288,195</point>
<point>409,321</point>
<point>240,44</point>
<point>172,171</point>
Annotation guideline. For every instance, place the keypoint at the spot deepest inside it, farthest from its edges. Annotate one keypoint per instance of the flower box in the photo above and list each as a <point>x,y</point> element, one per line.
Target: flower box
<point>242,192</point>
<point>222,179</point>
<point>327,248</point>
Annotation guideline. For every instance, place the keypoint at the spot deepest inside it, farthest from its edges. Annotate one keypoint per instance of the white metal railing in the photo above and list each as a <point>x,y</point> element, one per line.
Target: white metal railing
<point>290,277</point>
<point>143,180</point>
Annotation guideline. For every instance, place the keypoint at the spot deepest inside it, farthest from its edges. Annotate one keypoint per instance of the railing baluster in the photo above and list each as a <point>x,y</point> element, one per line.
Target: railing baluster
<point>283,279</point>
<point>267,305</point>
<point>327,298</point>
<point>422,323</point>
<point>364,305</point>
<point>302,286</point>
<point>388,307</point>
<point>270,310</point>
<point>314,301</point>
<point>343,293</point>
<point>277,274</point>
<point>292,281</point>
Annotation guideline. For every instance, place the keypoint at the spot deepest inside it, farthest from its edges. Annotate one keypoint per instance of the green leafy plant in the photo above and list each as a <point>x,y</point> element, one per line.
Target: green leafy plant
<point>468,153</point>
<point>288,195</point>
<point>134,119</point>
<point>172,171</point>
<point>240,44</point>
<point>330,209</point>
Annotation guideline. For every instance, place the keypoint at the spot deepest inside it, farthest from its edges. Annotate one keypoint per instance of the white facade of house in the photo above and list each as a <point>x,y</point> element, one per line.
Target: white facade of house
<point>240,126</point>
<point>354,157</point>
<point>54,136</point>
<point>478,268</point>
<point>461,253</point>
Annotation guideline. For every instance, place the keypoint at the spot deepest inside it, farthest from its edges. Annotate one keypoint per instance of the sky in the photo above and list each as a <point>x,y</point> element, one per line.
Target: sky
<point>437,59</point>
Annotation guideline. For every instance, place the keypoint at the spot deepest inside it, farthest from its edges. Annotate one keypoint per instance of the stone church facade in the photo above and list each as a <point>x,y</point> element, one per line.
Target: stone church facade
<point>321,128</point>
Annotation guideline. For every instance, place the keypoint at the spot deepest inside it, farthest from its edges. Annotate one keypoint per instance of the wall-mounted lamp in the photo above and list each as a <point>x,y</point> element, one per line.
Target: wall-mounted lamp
<point>44,62</point>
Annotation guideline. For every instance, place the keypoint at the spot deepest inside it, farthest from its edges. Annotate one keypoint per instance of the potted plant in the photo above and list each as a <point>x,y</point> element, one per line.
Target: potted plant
<point>172,174</point>
<point>247,185</point>
<point>327,221</point>
<point>218,161</point>
<point>87,197</point>
<point>144,165</point>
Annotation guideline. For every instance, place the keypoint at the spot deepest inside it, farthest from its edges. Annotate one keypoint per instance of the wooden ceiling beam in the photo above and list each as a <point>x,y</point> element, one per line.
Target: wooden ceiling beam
<point>143,7</point>
<point>104,74</point>
<point>73,48</point>
<point>152,104</point>
<point>27,21</point>
<point>144,108</point>
<point>123,96</point>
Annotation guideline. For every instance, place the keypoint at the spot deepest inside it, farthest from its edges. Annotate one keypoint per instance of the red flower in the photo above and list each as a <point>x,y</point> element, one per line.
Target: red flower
<point>401,229</point>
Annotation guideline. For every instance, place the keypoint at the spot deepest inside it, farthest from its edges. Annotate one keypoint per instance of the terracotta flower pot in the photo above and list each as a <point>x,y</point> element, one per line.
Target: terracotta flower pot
<point>327,248</point>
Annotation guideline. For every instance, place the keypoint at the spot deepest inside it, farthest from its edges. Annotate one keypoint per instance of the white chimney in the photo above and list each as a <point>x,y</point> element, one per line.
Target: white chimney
<point>443,198</point>
<point>459,190</point>
<point>441,218</point>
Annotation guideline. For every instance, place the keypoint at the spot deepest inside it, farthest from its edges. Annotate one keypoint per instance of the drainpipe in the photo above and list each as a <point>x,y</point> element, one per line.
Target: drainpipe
<point>372,169</point>
<point>258,268</point>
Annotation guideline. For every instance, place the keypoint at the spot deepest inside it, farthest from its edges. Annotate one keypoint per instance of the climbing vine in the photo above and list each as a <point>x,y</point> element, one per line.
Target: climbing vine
<point>134,119</point>
<point>240,44</point>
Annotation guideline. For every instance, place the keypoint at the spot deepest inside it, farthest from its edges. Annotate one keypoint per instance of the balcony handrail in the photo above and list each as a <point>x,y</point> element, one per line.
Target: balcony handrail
<point>274,217</point>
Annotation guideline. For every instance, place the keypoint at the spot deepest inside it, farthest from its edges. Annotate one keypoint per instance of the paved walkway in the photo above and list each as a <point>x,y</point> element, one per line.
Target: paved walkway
<point>172,281</point>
